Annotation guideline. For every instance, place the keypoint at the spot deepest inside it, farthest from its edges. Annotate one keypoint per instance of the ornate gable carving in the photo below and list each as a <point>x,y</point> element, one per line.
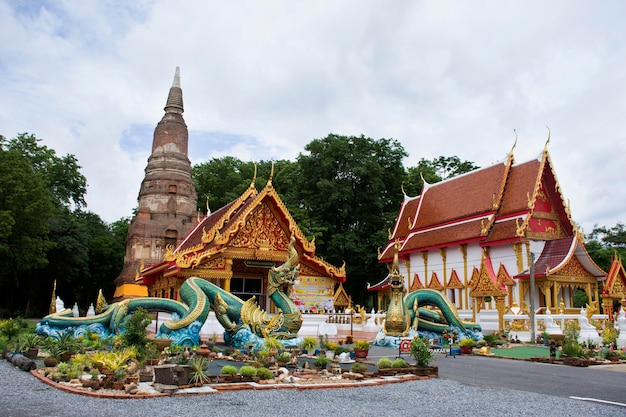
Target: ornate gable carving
<point>572,268</point>
<point>434,283</point>
<point>416,284</point>
<point>261,231</point>
<point>455,282</point>
<point>485,284</point>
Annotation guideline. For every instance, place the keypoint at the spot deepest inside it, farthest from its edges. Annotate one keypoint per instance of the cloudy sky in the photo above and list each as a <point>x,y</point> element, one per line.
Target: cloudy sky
<point>262,79</point>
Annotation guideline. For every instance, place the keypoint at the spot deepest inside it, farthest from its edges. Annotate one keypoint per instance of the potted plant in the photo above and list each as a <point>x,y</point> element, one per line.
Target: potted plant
<point>273,345</point>
<point>321,362</point>
<point>308,344</point>
<point>361,348</point>
<point>120,376</point>
<point>54,351</point>
<point>29,345</point>
<point>69,345</point>
<point>283,358</point>
<point>330,348</point>
<point>467,346</point>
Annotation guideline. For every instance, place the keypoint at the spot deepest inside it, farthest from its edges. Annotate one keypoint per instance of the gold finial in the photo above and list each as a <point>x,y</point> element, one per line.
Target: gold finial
<point>514,143</point>
<point>545,148</point>
<point>198,215</point>
<point>253,178</point>
<point>208,210</point>
<point>422,177</point>
<point>403,192</point>
<point>388,234</point>
<point>269,180</point>
<point>53,301</point>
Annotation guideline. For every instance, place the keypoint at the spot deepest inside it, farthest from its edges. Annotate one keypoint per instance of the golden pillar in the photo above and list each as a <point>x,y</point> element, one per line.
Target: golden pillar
<point>501,310</point>
<point>463,249</point>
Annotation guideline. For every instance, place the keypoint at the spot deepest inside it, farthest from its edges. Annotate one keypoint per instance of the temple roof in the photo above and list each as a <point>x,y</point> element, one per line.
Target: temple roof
<point>382,285</point>
<point>615,285</point>
<point>493,205</point>
<point>226,228</point>
<point>556,255</point>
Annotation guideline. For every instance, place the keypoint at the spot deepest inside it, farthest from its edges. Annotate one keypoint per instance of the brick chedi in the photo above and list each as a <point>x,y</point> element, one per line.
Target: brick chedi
<point>167,198</point>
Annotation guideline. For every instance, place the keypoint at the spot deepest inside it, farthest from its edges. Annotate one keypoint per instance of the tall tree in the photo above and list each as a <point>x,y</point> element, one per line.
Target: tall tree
<point>41,190</point>
<point>351,189</point>
<point>604,242</point>
<point>435,170</point>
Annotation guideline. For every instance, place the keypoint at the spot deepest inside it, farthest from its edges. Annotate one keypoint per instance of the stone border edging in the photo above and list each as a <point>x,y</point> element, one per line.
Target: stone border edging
<point>237,386</point>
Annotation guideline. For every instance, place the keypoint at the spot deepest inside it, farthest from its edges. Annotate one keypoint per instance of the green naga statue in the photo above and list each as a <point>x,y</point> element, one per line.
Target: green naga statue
<point>244,321</point>
<point>406,314</point>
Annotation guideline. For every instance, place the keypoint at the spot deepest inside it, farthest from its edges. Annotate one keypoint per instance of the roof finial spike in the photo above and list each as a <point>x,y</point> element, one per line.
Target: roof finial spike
<point>545,148</point>
<point>176,82</point>
<point>269,180</point>
<point>514,143</point>
<point>253,178</point>
<point>174,102</point>
<point>208,210</point>
<point>403,192</point>
<point>422,177</point>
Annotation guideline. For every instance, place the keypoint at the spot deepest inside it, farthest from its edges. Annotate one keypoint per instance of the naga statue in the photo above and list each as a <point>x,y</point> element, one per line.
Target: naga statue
<point>408,314</point>
<point>244,321</point>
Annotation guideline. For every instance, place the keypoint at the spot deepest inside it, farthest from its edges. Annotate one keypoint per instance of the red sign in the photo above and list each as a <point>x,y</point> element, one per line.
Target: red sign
<point>405,345</point>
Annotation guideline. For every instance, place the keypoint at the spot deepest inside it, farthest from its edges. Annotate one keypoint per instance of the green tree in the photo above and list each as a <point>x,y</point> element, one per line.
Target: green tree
<point>350,188</point>
<point>435,170</point>
<point>41,189</point>
<point>604,242</point>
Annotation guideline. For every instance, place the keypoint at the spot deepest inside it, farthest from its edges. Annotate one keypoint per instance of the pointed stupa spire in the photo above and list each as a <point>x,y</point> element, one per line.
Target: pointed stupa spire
<point>175,98</point>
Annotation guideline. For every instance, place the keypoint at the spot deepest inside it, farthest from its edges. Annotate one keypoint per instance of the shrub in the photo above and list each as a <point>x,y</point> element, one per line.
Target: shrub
<point>283,357</point>
<point>420,351</point>
<point>248,371</point>
<point>332,346</point>
<point>272,343</point>
<point>468,342</point>
<point>9,327</point>
<point>361,344</point>
<point>321,361</point>
<point>134,333</point>
<point>229,370</point>
<point>358,368</point>
<point>384,363</point>
<point>309,343</point>
<point>264,373</point>
<point>399,363</point>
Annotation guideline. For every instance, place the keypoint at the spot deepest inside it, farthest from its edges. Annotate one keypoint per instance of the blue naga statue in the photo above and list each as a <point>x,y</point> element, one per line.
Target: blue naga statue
<point>244,321</point>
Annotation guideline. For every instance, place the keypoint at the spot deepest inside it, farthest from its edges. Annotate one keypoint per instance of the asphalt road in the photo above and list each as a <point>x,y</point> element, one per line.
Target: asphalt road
<point>606,382</point>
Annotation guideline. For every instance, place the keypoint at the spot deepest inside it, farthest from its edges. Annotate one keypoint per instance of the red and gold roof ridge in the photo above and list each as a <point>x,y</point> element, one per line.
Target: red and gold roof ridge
<point>616,277</point>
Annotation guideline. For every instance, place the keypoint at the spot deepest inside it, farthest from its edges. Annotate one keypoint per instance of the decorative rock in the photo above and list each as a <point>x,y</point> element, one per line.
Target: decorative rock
<point>130,387</point>
<point>166,389</point>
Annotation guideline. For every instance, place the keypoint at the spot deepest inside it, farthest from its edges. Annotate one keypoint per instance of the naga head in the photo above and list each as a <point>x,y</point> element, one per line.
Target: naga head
<point>287,273</point>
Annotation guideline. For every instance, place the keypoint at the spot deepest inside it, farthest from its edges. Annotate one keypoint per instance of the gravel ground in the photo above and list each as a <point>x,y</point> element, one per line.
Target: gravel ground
<point>22,395</point>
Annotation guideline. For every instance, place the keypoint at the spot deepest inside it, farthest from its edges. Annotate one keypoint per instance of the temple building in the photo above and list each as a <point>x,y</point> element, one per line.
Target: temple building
<point>474,237</point>
<point>167,198</point>
<point>614,289</point>
<point>234,248</point>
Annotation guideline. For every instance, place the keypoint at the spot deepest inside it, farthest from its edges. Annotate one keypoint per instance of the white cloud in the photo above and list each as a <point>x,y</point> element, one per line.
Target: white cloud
<point>261,80</point>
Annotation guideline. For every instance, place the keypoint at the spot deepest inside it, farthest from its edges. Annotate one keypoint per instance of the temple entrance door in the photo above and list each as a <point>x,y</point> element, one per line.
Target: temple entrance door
<point>246,288</point>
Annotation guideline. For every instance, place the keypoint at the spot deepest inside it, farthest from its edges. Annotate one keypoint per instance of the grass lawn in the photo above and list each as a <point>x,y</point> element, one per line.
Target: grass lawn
<point>522,352</point>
